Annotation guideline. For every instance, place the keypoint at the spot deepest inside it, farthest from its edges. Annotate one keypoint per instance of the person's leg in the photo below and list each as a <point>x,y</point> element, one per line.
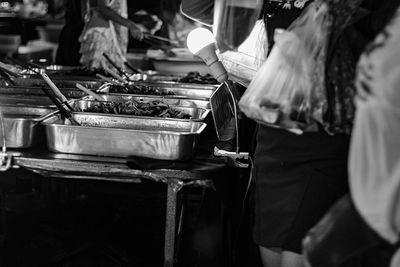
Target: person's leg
<point>270,257</point>
<point>291,259</point>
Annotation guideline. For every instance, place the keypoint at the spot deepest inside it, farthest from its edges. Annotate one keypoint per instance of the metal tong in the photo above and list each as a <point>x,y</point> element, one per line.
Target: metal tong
<point>120,71</point>
<point>65,112</point>
<point>159,39</point>
<point>58,98</point>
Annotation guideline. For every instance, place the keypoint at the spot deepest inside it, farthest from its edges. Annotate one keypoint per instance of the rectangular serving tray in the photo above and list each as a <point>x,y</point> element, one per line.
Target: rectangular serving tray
<point>123,136</point>
<point>170,100</point>
<point>197,114</point>
<point>192,91</point>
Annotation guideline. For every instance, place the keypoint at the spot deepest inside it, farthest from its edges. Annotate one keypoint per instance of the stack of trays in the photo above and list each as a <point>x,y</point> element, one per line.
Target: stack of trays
<point>117,135</point>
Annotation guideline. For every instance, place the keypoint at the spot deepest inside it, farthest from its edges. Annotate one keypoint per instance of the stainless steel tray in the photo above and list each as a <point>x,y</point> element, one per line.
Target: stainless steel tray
<point>123,136</point>
<point>178,89</point>
<point>22,90</point>
<point>154,77</point>
<point>170,100</point>
<point>34,81</point>
<point>26,100</point>
<point>179,85</point>
<point>197,114</point>
<point>22,125</point>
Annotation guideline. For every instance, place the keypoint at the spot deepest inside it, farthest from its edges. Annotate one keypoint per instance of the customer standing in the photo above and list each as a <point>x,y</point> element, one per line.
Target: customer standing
<point>297,177</point>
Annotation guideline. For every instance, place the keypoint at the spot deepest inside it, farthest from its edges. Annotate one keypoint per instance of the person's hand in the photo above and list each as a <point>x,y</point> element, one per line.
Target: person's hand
<point>136,31</point>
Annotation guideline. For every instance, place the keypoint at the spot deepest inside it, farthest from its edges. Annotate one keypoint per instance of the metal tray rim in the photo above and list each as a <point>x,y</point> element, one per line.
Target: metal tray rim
<point>36,119</point>
<point>47,124</point>
<point>89,98</point>
<point>202,118</point>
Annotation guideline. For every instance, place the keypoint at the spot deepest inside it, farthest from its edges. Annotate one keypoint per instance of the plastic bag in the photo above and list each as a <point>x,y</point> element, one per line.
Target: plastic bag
<point>233,22</point>
<point>289,89</point>
<point>243,64</point>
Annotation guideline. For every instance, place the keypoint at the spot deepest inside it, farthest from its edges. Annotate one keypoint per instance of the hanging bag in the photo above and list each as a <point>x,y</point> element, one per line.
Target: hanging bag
<point>289,90</point>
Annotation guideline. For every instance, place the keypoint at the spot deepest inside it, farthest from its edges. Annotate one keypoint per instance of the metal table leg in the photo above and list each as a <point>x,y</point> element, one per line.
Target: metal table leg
<point>170,222</point>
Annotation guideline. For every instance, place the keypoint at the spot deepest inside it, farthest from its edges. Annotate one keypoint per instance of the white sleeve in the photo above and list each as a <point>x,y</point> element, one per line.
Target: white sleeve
<point>375,148</point>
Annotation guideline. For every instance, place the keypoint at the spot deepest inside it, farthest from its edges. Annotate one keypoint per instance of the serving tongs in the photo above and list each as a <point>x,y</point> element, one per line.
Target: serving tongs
<point>3,68</point>
<point>59,99</point>
<point>64,111</point>
<point>154,38</point>
<point>120,71</point>
<point>89,92</point>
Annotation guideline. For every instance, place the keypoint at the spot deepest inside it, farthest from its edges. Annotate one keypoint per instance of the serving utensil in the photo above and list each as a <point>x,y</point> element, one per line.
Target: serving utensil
<point>106,79</point>
<point>89,92</point>
<point>55,90</point>
<point>129,66</point>
<point>115,75</point>
<point>66,113</point>
<point>121,72</point>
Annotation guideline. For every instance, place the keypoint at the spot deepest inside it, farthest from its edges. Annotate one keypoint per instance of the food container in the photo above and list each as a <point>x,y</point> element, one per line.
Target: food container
<point>192,91</point>
<point>37,91</point>
<point>60,82</point>
<point>26,100</point>
<point>22,125</point>
<point>123,136</point>
<point>154,77</point>
<point>170,100</point>
<point>197,114</point>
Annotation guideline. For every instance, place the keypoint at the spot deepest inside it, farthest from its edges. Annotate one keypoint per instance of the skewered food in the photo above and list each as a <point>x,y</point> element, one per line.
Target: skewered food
<point>196,77</point>
<point>154,108</point>
<point>137,89</point>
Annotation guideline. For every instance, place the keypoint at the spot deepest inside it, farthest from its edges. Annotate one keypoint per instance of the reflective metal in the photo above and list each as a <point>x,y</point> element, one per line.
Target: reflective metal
<point>22,125</point>
<point>197,114</point>
<point>123,136</point>
<point>26,100</point>
<point>21,90</point>
<point>64,82</point>
<point>170,100</point>
<point>178,89</point>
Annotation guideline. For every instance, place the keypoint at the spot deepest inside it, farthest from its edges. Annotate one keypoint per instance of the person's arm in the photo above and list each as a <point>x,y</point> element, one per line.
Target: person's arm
<point>110,14</point>
<point>198,10</point>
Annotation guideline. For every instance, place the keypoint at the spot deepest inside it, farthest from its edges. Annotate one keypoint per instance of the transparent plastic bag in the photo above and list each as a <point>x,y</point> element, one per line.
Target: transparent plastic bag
<point>289,91</point>
<point>290,85</point>
<point>233,22</point>
<point>243,64</point>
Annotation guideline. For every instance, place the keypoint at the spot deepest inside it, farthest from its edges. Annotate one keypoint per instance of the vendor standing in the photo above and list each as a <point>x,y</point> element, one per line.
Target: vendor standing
<point>68,44</point>
<point>96,26</point>
<point>297,177</point>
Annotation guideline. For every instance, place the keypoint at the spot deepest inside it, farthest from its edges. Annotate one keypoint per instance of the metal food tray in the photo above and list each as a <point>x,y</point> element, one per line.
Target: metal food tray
<point>197,114</point>
<point>65,82</point>
<point>164,78</point>
<point>154,77</point>
<point>179,89</point>
<point>170,100</point>
<point>26,100</point>
<point>37,91</point>
<point>123,136</point>
<point>22,125</point>
<point>156,84</point>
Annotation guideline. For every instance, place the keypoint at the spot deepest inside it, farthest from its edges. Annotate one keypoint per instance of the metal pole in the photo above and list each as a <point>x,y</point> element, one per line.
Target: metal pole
<point>235,114</point>
<point>170,222</point>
